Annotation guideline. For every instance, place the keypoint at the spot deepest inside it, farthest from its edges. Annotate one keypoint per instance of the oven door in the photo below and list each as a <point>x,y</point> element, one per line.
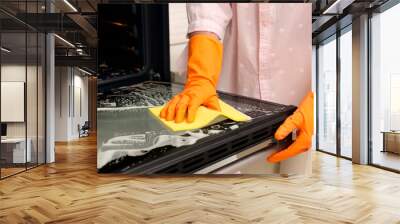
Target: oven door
<point>250,161</point>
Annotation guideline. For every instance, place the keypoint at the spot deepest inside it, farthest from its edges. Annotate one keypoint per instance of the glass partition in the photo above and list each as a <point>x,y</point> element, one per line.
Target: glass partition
<point>13,94</point>
<point>22,87</point>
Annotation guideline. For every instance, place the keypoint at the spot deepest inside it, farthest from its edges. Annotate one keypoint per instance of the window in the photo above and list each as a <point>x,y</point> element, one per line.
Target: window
<point>346,92</point>
<point>335,74</point>
<point>327,96</point>
<point>385,89</point>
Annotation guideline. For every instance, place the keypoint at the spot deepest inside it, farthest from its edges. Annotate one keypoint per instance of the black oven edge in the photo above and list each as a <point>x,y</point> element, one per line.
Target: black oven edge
<point>214,142</point>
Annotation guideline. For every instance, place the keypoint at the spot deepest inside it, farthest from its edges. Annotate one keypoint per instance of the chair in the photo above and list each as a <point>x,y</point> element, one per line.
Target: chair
<point>84,130</point>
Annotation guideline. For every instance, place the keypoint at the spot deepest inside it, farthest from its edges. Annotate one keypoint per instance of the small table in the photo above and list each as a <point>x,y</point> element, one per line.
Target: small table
<point>391,141</point>
<point>13,150</point>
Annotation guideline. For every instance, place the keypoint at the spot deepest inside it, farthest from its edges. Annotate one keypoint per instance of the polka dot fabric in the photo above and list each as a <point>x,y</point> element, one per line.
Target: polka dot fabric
<point>267,47</point>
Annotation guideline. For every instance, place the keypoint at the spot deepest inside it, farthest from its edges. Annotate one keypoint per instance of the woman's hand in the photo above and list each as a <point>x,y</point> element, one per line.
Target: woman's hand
<point>302,120</point>
<point>185,104</point>
<point>204,66</point>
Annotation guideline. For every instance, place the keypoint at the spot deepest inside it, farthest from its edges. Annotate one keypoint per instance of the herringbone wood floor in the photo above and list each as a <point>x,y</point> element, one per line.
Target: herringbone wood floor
<point>70,191</point>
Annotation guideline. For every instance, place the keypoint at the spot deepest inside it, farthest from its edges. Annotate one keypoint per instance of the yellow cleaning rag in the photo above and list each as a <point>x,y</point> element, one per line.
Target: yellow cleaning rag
<point>204,117</point>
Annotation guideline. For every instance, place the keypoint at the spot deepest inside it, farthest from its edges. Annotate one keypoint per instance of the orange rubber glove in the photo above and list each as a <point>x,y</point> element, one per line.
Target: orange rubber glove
<point>204,66</point>
<point>302,120</point>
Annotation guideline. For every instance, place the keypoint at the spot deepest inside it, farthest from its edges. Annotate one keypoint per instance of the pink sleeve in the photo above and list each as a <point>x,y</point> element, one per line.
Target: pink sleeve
<point>210,17</point>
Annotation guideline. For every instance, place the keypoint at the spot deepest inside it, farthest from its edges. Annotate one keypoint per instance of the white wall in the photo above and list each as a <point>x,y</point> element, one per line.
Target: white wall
<point>13,72</point>
<point>71,87</point>
<point>62,81</point>
<point>80,110</point>
<point>9,73</point>
<point>12,101</point>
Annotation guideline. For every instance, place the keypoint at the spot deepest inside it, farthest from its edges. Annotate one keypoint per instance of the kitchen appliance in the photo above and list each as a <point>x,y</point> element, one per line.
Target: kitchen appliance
<point>133,44</point>
<point>131,140</point>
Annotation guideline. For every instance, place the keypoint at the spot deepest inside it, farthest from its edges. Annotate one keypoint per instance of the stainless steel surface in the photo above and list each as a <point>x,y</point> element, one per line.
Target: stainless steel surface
<point>236,157</point>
